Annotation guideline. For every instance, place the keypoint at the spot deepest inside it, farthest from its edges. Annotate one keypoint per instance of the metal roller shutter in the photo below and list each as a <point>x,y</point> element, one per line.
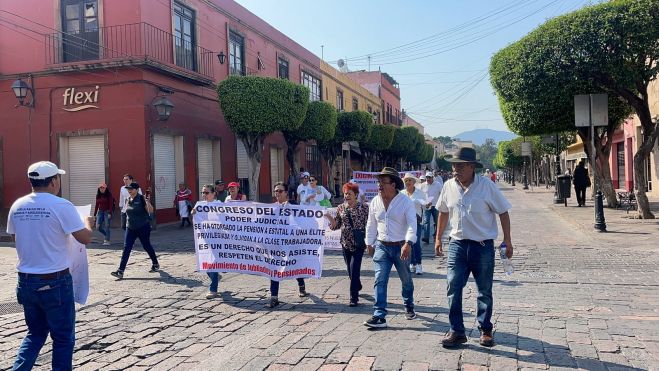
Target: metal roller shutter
<point>205,161</point>
<point>242,159</point>
<point>165,170</point>
<point>86,168</point>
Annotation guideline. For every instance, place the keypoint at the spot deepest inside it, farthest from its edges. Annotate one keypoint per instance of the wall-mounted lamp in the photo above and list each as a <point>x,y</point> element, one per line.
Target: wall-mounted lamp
<point>21,90</point>
<point>220,57</point>
<point>164,107</point>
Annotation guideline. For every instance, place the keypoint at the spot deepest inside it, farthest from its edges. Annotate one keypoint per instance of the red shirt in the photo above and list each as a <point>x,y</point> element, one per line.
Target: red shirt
<point>104,203</point>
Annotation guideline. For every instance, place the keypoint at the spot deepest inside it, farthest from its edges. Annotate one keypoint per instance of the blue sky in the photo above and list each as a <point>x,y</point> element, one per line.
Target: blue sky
<point>438,51</point>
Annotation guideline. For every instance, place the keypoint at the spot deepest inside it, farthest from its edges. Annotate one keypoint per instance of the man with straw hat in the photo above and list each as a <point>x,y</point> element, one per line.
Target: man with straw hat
<point>390,234</point>
<point>471,203</point>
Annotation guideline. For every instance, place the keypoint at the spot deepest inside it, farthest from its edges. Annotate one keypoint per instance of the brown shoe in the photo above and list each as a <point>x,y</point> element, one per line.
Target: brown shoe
<point>486,339</point>
<point>453,339</point>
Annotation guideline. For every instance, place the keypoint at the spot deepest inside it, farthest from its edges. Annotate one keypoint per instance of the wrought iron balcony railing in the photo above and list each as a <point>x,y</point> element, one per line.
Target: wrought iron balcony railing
<point>137,43</point>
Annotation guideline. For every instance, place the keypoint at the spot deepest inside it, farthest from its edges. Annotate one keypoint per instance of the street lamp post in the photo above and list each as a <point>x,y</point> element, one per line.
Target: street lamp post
<point>525,180</point>
<point>557,195</point>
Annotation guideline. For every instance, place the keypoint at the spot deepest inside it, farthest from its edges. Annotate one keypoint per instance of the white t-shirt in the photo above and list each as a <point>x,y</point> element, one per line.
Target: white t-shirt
<point>321,194</point>
<point>472,212</point>
<point>41,222</point>
<point>303,193</point>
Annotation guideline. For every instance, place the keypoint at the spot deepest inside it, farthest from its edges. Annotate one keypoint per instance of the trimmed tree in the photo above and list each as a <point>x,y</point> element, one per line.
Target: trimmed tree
<point>403,144</point>
<point>381,138</point>
<point>254,107</point>
<point>611,48</point>
<point>319,124</point>
<point>350,126</point>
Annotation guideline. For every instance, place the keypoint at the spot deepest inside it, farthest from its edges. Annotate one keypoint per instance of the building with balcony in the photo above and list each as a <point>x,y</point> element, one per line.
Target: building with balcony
<point>99,71</point>
<point>384,87</point>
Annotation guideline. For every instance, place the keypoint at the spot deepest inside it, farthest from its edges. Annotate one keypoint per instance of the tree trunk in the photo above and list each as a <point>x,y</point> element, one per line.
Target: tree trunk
<point>649,139</point>
<point>254,148</point>
<point>291,158</point>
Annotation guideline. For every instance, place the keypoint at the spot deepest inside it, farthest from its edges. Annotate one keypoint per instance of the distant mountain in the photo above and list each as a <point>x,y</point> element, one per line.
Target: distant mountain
<point>478,136</point>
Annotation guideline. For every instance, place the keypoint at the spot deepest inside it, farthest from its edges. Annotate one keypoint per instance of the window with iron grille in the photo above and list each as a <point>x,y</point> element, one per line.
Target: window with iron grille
<point>184,41</point>
<point>80,36</point>
<point>283,68</point>
<point>355,104</point>
<point>314,85</point>
<point>339,100</point>
<point>314,166</point>
<point>236,54</point>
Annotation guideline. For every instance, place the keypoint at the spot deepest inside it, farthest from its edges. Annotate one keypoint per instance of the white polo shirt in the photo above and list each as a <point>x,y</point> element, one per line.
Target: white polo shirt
<point>472,212</point>
<point>397,223</point>
<point>432,191</point>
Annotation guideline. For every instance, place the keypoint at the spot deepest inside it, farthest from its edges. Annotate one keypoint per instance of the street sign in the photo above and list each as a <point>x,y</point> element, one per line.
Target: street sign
<point>591,107</point>
<point>548,139</point>
<point>526,148</point>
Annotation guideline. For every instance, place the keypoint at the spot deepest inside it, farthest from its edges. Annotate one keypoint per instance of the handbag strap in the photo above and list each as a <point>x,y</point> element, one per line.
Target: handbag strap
<point>348,214</point>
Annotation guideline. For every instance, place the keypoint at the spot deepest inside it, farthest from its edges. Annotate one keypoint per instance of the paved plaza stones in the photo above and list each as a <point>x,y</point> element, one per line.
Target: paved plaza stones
<point>577,299</point>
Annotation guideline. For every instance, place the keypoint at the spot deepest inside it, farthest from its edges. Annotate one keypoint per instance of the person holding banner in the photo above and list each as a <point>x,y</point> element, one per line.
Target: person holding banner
<point>281,198</point>
<point>138,209</point>
<point>390,234</point>
<point>418,198</point>
<point>351,217</point>
<point>234,193</point>
<point>208,195</point>
<point>41,223</point>
<point>316,194</point>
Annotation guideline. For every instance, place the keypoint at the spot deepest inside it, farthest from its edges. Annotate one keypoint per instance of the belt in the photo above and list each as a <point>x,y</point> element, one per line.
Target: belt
<point>392,244</point>
<point>45,276</point>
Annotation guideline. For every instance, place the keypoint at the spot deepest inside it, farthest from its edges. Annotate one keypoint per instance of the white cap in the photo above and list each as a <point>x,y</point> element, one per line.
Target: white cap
<point>304,175</point>
<point>43,170</point>
<point>429,174</point>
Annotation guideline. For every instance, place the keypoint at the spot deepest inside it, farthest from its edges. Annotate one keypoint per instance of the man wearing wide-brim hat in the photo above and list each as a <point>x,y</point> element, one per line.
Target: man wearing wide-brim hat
<point>390,234</point>
<point>471,203</point>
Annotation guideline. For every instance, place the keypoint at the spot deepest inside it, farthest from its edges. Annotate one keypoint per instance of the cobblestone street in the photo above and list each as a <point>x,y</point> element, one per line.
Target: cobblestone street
<point>577,299</point>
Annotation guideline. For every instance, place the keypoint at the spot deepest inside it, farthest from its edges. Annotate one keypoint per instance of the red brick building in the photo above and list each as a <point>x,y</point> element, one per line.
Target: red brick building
<point>97,67</point>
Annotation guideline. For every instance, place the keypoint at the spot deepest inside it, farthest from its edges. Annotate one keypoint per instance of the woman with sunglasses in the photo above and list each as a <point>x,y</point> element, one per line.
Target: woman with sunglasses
<point>234,193</point>
<point>103,211</point>
<point>208,195</point>
<point>316,193</point>
<point>281,199</point>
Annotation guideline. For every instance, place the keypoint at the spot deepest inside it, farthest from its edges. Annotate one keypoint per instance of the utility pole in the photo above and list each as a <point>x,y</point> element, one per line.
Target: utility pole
<point>322,52</point>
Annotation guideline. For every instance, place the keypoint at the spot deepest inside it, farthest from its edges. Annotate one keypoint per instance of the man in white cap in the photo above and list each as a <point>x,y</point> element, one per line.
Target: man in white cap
<point>432,189</point>
<point>40,223</point>
<point>303,189</point>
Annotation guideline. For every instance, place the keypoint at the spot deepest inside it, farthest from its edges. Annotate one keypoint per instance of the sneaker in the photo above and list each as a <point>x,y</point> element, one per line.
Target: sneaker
<point>353,303</point>
<point>410,313</point>
<point>453,339</point>
<point>273,302</point>
<point>419,269</point>
<point>412,268</point>
<point>486,339</point>
<point>376,322</point>
<point>303,292</point>
<point>154,268</point>
<point>212,295</point>
<point>118,273</point>
<point>106,243</point>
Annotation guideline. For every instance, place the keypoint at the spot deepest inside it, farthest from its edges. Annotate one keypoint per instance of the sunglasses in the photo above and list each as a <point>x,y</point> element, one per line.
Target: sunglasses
<point>312,180</point>
<point>205,193</point>
<point>279,191</point>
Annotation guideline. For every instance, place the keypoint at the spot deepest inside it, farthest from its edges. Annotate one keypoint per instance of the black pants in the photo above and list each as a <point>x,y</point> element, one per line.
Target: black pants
<point>581,195</point>
<point>354,264</point>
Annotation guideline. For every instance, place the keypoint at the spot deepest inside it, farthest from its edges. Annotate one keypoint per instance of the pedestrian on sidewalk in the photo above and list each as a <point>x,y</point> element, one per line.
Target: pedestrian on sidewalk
<point>183,203</point>
<point>103,210</point>
<point>418,198</point>
<point>123,196</point>
<point>431,188</point>
<point>390,234</point>
<point>138,209</point>
<point>208,195</point>
<point>471,203</point>
<point>41,223</point>
<point>581,181</point>
<point>351,217</point>
<point>281,199</point>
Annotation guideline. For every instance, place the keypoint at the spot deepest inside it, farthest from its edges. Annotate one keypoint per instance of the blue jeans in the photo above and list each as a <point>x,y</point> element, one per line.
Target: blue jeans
<point>103,218</point>
<point>383,259</point>
<point>144,234</point>
<point>427,215</point>
<point>464,257</point>
<point>215,281</point>
<point>274,286</point>
<point>416,248</point>
<point>48,308</point>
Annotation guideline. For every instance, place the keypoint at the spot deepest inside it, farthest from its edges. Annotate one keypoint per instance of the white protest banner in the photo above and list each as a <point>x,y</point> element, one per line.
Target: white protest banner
<point>332,239</point>
<point>78,265</point>
<point>368,182</point>
<point>278,242</point>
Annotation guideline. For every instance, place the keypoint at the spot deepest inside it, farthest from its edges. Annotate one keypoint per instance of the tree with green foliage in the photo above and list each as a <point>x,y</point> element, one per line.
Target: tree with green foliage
<point>403,144</point>
<point>255,107</point>
<point>319,124</point>
<point>381,138</point>
<point>607,48</point>
<point>486,152</point>
<point>446,140</point>
<point>351,127</point>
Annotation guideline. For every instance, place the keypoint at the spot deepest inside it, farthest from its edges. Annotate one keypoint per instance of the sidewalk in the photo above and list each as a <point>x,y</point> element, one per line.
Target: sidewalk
<point>577,299</point>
